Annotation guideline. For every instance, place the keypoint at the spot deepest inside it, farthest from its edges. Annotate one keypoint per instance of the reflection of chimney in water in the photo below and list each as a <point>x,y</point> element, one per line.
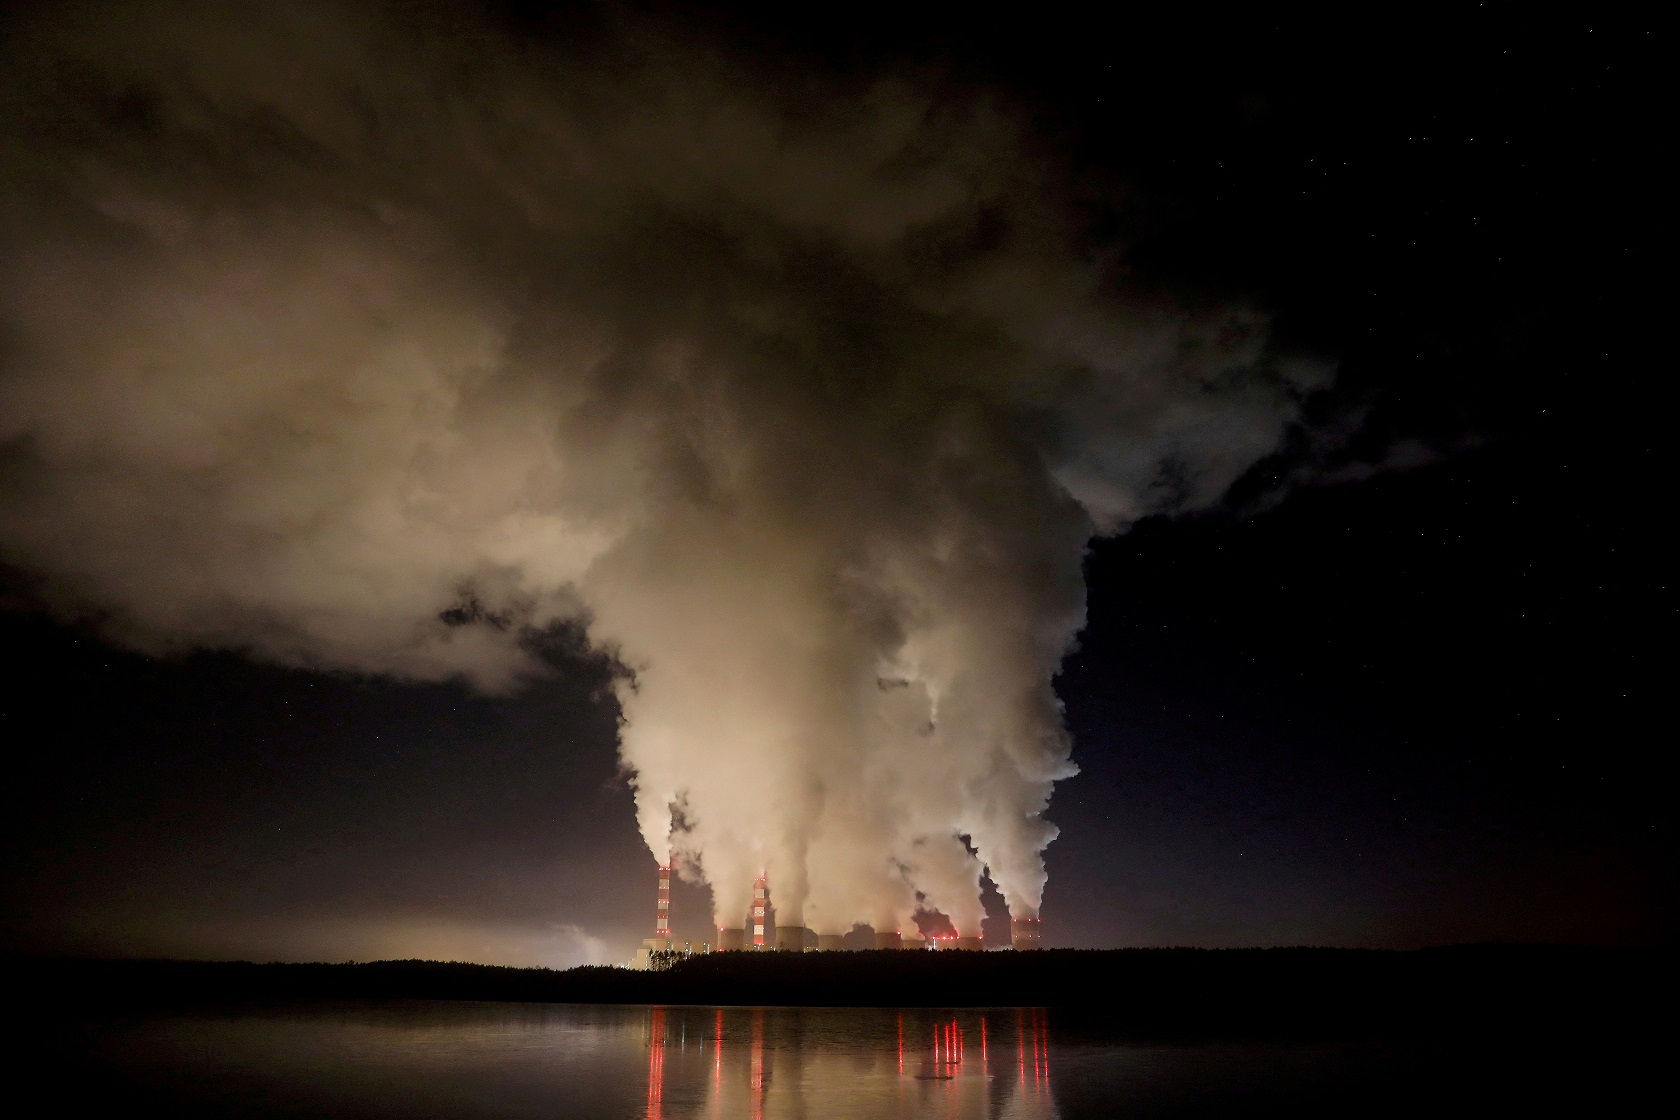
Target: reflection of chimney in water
<point>760,1071</point>
<point>736,1068</point>
<point>1032,1046</point>
<point>717,1057</point>
<point>656,1066</point>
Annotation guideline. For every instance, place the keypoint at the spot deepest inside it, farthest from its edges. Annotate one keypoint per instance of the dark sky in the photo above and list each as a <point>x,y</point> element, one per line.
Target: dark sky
<point>1399,687</point>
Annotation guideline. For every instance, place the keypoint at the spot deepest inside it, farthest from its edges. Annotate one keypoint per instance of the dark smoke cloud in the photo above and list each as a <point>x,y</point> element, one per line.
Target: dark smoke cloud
<point>381,344</point>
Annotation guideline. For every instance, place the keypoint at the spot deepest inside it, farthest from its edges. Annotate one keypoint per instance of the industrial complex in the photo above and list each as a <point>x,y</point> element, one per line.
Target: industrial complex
<point>760,933</point>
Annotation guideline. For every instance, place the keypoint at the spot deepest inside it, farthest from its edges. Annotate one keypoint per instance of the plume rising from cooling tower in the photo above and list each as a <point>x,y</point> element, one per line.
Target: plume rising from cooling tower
<point>798,394</point>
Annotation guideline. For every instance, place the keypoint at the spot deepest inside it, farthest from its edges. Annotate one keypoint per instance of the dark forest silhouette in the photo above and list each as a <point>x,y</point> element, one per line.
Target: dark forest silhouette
<point>1187,993</point>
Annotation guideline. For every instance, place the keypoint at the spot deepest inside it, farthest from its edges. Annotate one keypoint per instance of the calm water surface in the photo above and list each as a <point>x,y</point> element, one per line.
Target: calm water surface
<point>448,1059</point>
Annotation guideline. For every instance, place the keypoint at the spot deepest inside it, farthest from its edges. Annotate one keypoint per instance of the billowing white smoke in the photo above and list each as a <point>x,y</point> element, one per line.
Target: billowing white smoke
<point>376,348</point>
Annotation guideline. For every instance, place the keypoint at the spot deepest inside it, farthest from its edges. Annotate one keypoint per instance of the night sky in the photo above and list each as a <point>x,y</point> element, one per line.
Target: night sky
<point>1401,685</point>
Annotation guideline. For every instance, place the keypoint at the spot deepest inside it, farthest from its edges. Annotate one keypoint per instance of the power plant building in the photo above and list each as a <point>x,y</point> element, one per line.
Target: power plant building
<point>760,932</point>
<point>1024,933</point>
<point>794,939</point>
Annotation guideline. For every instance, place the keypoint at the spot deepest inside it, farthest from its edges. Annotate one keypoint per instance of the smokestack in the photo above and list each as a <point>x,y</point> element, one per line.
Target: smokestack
<point>1024,933</point>
<point>662,919</point>
<point>831,942</point>
<point>761,902</point>
<point>731,940</point>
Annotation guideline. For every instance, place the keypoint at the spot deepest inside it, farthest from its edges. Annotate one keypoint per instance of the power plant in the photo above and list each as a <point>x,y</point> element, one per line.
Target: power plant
<point>760,932</point>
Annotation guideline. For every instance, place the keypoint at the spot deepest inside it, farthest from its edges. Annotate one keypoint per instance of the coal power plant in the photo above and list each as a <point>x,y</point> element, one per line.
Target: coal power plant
<point>759,932</point>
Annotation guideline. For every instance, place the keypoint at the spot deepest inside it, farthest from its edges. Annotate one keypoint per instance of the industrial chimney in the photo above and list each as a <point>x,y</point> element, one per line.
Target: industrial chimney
<point>662,921</point>
<point>761,902</point>
<point>660,942</point>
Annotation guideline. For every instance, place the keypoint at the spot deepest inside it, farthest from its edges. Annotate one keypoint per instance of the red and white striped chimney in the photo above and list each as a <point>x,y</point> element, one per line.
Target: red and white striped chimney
<point>662,923</point>
<point>761,902</point>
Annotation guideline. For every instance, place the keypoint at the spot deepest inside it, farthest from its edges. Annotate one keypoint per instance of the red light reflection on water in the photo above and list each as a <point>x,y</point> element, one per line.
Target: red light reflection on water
<point>1032,1030</point>
<point>952,1033</point>
<point>1038,1051</point>
<point>1020,1050</point>
<point>948,1050</point>
<point>656,1066</point>
<point>757,1082</point>
<point>943,1062</point>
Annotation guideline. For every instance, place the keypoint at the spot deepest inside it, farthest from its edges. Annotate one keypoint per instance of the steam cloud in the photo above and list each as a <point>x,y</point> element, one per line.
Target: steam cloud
<point>380,345</point>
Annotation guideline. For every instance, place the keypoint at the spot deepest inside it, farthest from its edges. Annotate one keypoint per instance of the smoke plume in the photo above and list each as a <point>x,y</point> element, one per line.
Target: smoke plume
<point>381,343</point>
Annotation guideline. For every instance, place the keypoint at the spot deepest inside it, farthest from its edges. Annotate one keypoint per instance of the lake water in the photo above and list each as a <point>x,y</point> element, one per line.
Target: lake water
<point>403,1059</point>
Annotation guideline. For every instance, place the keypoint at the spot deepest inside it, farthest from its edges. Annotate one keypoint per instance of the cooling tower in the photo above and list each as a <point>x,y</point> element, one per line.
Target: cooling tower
<point>970,944</point>
<point>831,942</point>
<point>888,940</point>
<point>732,940</point>
<point>793,939</point>
<point>913,942</point>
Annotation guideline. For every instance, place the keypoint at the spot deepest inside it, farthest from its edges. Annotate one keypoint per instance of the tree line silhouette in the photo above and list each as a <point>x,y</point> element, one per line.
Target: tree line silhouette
<point>1165,993</point>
